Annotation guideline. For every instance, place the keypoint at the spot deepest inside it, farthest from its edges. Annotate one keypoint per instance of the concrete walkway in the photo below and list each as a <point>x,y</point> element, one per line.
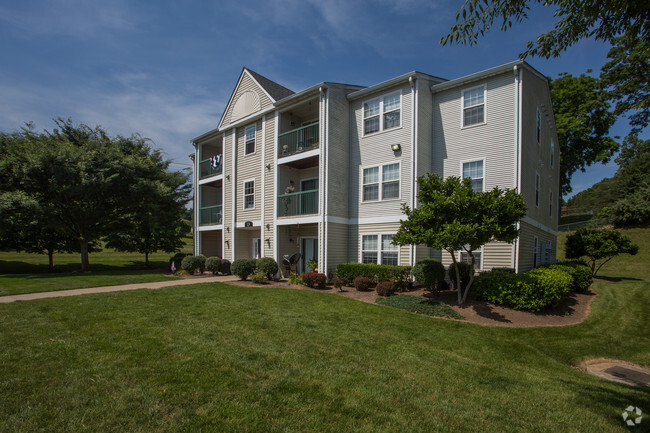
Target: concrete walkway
<point>107,289</point>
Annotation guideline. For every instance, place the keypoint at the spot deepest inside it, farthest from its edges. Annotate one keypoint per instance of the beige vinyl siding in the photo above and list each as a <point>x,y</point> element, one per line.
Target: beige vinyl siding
<point>269,179</point>
<point>211,243</point>
<point>338,161</point>
<point>337,245</point>
<point>246,84</point>
<point>375,149</point>
<point>296,233</point>
<point>497,255</point>
<point>527,242</point>
<point>228,198</point>
<point>493,141</point>
<point>358,230</point>
<point>536,158</point>
<point>244,239</point>
<point>249,168</point>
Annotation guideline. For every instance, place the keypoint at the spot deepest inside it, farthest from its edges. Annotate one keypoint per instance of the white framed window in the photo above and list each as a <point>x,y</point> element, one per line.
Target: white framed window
<point>538,128</point>
<point>535,252</point>
<point>249,194</point>
<point>378,248</point>
<point>536,189</point>
<point>250,139</point>
<point>550,203</point>
<point>380,182</point>
<point>478,258</point>
<point>474,170</point>
<point>473,101</point>
<point>552,152</point>
<point>382,113</point>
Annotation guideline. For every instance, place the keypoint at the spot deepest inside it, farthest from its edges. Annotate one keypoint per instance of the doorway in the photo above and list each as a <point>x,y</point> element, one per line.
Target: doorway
<point>309,252</point>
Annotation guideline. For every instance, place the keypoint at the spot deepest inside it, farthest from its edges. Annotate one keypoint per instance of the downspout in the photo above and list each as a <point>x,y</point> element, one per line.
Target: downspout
<point>233,180</point>
<point>414,115</point>
<point>276,248</point>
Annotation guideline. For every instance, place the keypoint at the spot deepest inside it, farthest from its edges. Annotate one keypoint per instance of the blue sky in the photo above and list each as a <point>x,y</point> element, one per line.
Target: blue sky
<point>166,69</point>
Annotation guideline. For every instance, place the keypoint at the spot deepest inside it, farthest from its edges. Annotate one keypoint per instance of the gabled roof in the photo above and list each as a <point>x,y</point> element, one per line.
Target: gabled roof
<point>275,90</point>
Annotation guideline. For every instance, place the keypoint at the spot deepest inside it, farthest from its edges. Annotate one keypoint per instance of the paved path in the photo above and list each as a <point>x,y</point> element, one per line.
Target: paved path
<point>107,289</point>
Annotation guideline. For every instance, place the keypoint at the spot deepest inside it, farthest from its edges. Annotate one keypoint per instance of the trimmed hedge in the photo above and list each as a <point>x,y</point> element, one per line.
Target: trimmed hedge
<point>430,273</point>
<point>213,264</point>
<point>398,275</point>
<point>314,279</point>
<point>466,272</point>
<point>534,290</point>
<point>580,273</point>
<point>243,268</point>
<point>178,260</point>
<point>268,266</point>
<point>193,264</point>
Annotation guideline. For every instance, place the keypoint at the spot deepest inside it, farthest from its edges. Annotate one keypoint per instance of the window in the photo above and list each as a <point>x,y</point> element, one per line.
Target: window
<point>249,194</point>
<point>552,153</point>
<point>379,249</point>
<point>390,182</point>
<point>382,113</point>
<point>465,258</point>
<point>474,170</point>
<point>550,203</point>
<point>539,127</point>
<point>536,247</point>
<point>474,106</point>
<point>250,140</point>
<point>536,189</point>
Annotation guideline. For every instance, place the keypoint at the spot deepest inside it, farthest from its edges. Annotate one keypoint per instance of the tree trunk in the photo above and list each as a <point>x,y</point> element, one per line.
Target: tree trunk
<point>50,256</point>
<point>85,264</point>
<point>460,293</point>
<point>471,277</point>
<point>146,258</point>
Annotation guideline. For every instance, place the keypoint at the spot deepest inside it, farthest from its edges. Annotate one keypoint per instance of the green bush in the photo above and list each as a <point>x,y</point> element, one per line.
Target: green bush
<point>398,275</point>
<point>243,268</point>
<point>268,266</point>
<point>314,279</point>
<point>177,259</point>
<point>633,209</point>
<point>258,277</point>
<point>534,290</point>
<point>580,273</point>
<point>213,264</point>
<point>193,264</point>
<point>385,288</point>
<point>430,273</point>
<point>598,245</point>
<point>362,284</point>
<point>465,270</point>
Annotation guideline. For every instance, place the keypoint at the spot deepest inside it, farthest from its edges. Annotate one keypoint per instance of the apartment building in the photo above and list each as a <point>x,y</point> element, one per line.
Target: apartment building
<point>324,172</point>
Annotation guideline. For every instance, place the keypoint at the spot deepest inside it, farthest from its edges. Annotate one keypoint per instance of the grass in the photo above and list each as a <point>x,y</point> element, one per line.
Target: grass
<point>212,357</point>
<point>416,304</point>
<point>28,273</point>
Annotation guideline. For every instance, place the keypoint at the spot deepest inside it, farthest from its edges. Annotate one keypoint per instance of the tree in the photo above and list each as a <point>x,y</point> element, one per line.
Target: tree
<point>597,244</point>
<point>453,217</point>
<point>599,19</point>
<point>85,179</point>
<point>583,119</point>
<point>626,76</point>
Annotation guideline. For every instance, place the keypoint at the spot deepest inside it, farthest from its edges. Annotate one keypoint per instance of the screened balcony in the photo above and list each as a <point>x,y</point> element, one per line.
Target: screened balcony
<point>298,203</point>
<point>210,215</point>
<point>298,140</point>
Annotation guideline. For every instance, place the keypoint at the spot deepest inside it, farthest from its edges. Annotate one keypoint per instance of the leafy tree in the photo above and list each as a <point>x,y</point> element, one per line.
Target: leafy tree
<point>599,19</point>
<point>598,244</point>
<point>453,217</point>
<point>633,209</point>
<point>626,76</point>
<point>583,119</point>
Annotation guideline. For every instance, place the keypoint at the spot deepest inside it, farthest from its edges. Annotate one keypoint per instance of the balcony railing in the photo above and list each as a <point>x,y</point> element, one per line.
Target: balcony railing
<point>298,140</point>
<point>210,215</point>
<point>207,169</point>
<point>298,203</point>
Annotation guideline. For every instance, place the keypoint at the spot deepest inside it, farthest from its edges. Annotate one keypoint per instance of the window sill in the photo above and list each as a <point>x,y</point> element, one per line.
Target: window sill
<point>474,125</point>
<point>372,134</point>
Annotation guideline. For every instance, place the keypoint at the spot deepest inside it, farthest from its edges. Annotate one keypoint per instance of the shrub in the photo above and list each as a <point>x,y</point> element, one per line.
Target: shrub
<point>399,275</point>
<point>259,277</point>
<point>385,288</point>
<point>177,259</point>
<point>579,272</point>
<point>633,209</point>
<point>430,273</point>
<point>597,244</point>
<point>314,279</point>
<point>268,266</point>
<point>312,264</point>
<point>213,264</point>
<point>296,279</point>
<point>338,283</point>
<point>465,270</point>
<point>181,272</point>
<point>243,268</point>
<point>362,283</point>
<point>225,267</point>
<point>193,264</point>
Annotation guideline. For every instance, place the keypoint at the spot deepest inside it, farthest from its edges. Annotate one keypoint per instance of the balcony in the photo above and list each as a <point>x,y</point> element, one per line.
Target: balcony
<point>298,140</point>
<point>206,169</point>
<point>210,215</point>
<point>298,203</point>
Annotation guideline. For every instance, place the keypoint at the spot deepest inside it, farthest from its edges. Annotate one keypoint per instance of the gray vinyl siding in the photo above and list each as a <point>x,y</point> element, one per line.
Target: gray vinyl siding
<point>375,149</point>
<point>425,128</point>
<point>269,179</point>
<point>494,141</point>
<point>246,84</point>
<point>209,196</point>
<point>295,233</point>
<point>337,245</point>
<point>249,168</point>
<point>228,198</point>
<point>338,152</point>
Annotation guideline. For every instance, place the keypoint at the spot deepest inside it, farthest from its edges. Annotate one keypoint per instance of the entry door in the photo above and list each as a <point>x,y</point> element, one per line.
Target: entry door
<point>309,251</point>
<point>257,248</point>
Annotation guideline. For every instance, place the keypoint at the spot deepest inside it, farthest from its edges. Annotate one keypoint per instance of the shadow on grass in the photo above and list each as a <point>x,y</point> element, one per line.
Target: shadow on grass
<point>615,279</point>
<point>16,267</point>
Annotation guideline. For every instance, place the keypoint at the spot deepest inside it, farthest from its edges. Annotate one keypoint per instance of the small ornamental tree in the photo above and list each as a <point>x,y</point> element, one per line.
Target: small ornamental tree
<point>598,244</point>
<point>453,217</point>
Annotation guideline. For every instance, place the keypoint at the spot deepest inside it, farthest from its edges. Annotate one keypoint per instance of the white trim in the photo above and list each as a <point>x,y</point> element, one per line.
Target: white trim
<point>479,250</point>
<point>462,106</point>
<point>249,118</point>
<point>323,192</point>
<point>260,86</point>
<point>380,182</point>
<point>210,228</point>
<point>276,250</point>
<point>550,203</point>
<point>484,160</point>
<point>234,92</point>
<point>223,194</point>
<point>244,182</point>
<point>241,224</point>
<point>297,156</point>
<point>301,220</point>
<point>518,148</point>
<point>254,125</point>
<point>210,179</point>
<point>379,250</point>
<point>381,98</point>
<point>362,221</point>
<point>414,148</point>
<point>262,234</point>
<point>538,126</point>
<point>233,180</point>
<point>528,220</point>
<point>538,189</point>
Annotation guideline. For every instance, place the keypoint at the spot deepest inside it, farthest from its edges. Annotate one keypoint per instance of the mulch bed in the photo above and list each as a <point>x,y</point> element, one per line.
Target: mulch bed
<point>573,310</point>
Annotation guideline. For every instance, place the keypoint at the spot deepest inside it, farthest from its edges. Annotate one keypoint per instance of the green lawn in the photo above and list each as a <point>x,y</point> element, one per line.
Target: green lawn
<point>212,357</point>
